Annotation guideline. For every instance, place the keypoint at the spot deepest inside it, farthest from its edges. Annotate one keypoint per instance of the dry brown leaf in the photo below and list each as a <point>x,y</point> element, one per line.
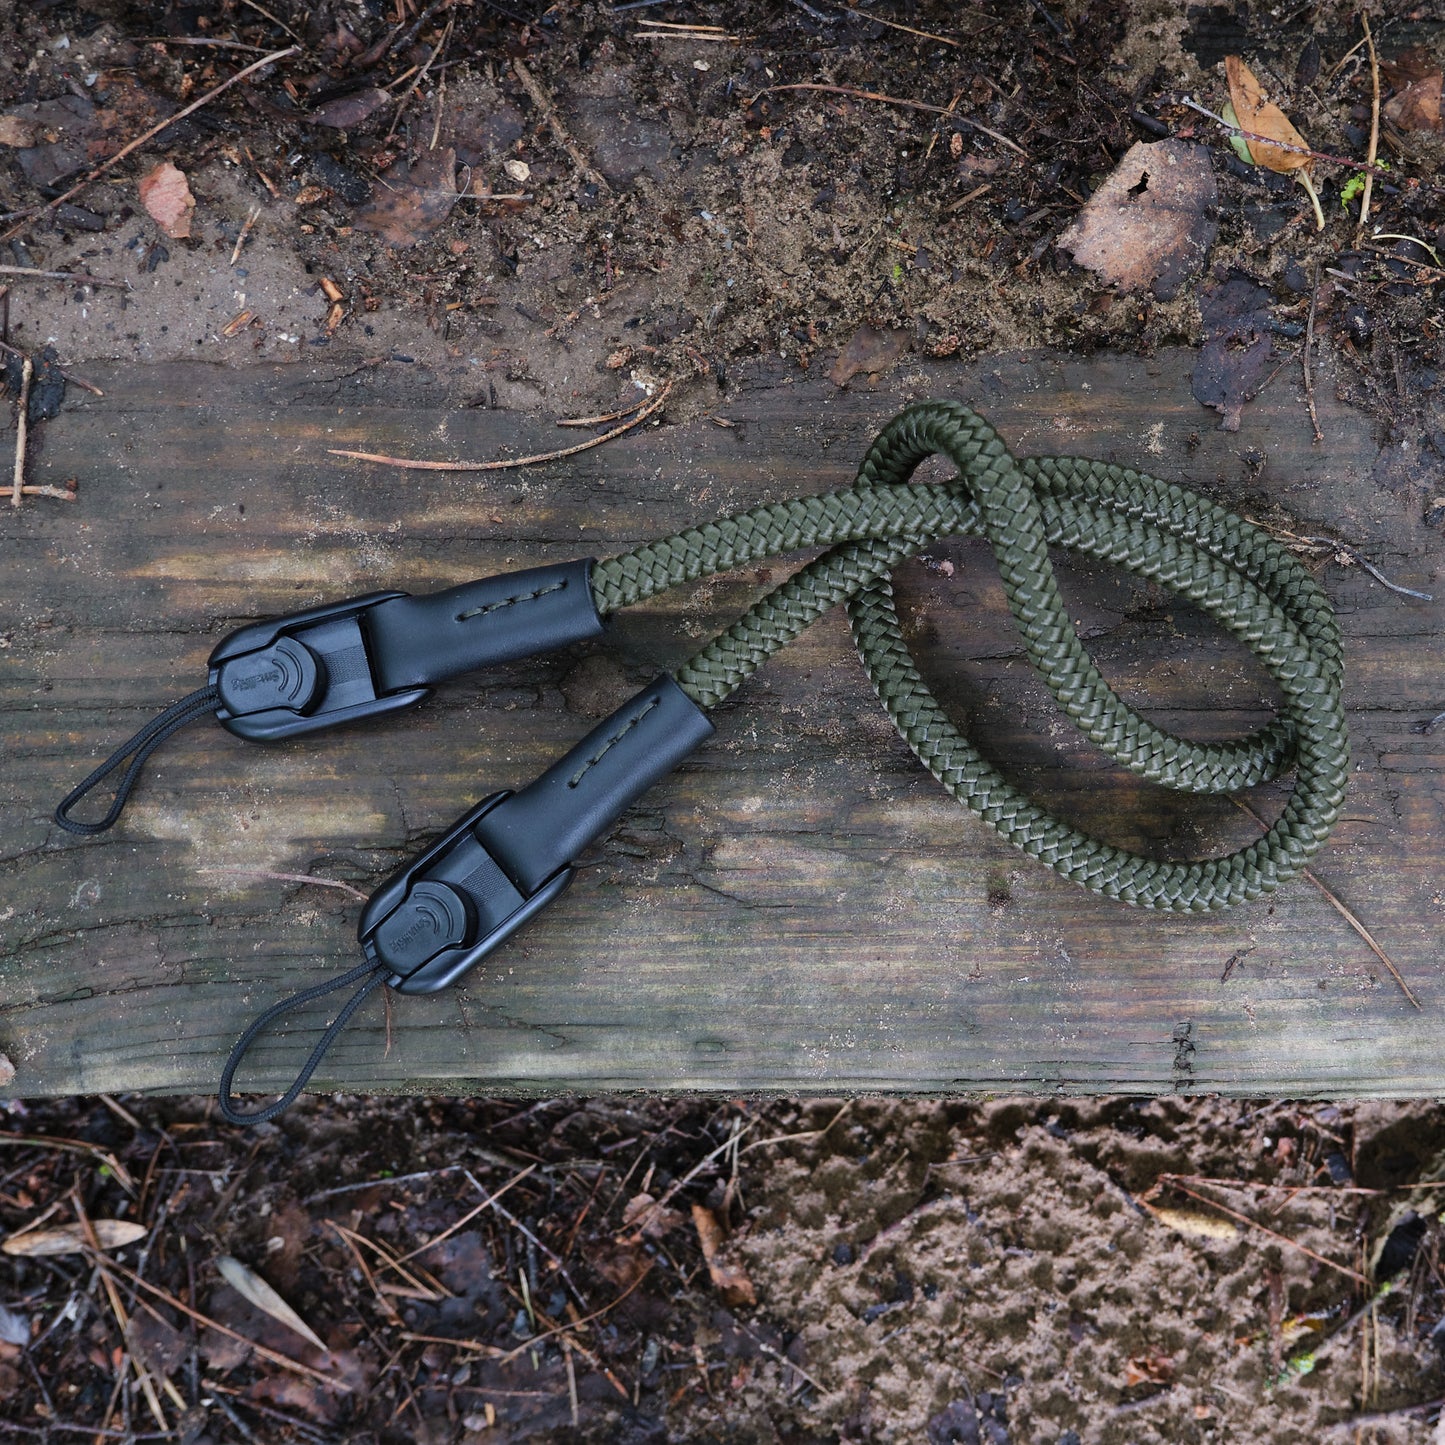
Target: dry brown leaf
<point>642,1211</point>
<point>17,131</point>
<point>730,1280</point>
<point>252,1288</point>
<point>1417,107</point>
<point>1261,117</point>
<point>621,1264</point>
<point>7,1071</point>
<point>868,350</point>
<point>1196,1223</point>
<point>72,1238</point>
<point>413,199</point>
<point>1152,222</point>
<point>1415,63</point>
<point>349,110</point>
<point>165,193</point>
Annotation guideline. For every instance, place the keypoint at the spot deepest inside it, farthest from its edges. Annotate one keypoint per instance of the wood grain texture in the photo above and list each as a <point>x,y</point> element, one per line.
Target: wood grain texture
<point>798,908</point>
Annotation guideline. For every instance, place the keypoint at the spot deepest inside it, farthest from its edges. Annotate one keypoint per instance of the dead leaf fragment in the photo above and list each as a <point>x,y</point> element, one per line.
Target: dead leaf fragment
<point>7,1071</point>
<point>17,131</point>
<point>252,1288</point>
<point>1155,1368</point>
<point>349,110</point>
<point>1152,222</point>
<point>161,1346</point>
<point>1417,107</point>
<point>1237,356</point>
<point>730,1280</point>
<point>414,200</point>
<point>868,350</point>
<point>72,1238</point>
<point>1197,1224</point>
<point>165,193</point>
<point>1263,118</point>
<point>643,1213</point>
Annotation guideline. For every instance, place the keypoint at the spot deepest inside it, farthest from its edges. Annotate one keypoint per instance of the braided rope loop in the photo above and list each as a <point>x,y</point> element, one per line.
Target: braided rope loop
<point>1231,570</point>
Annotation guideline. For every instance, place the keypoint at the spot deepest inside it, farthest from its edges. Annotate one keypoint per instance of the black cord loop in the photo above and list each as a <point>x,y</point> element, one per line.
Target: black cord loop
<point>194,705</point>
<point>374,974</point>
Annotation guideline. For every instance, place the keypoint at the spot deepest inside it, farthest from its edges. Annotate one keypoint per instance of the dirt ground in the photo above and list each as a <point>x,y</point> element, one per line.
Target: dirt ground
<point>562,208</point>
<point>1053,1271</point>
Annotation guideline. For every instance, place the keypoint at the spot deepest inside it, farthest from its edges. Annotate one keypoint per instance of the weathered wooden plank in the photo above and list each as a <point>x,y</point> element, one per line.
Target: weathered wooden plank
<point>798,908</point>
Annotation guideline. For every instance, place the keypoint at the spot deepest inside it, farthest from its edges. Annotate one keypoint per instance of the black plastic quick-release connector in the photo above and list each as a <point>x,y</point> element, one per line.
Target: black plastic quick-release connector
<point>513,853</point>
<point>381,652</point>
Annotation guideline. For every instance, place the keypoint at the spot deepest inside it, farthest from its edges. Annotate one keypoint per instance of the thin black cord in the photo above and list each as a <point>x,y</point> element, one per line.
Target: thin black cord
<point>374,975</point>
<point>194,705</point>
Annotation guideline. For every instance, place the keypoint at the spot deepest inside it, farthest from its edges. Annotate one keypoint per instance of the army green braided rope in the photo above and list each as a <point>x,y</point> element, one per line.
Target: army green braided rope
<point>1227,567</point>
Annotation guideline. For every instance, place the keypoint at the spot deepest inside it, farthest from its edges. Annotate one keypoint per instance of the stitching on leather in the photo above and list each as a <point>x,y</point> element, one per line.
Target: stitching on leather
<point>512,601</point>
<point>612,743</point>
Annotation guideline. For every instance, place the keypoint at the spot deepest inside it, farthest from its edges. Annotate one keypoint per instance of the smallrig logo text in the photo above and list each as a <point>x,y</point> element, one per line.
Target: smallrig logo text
<point>249,681</point>
<point>426,922</point>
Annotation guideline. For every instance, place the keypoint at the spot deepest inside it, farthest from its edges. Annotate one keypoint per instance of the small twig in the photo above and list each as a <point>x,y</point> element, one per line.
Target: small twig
<point>796,1138</point>
<point>67,493</point>
<point>122,1318</point>
<point>545,1248</point>
<point>76,1146</point>
<point>79,276</point>
<point>575,1324</point>
<point>22,429</point>
<point>1281,145</point>
<point>1374,128</point>
<point>275,20</point>
<point>433,1291</point>
<point>502,1357</point>
<point>906,104</point>
<point>1219,1183</point>
<point>543,103</point>
<point>245,232</point>
<point>70,376</point>
<point>641,1221</point>
<point>436,50</point>
<point>331,1382</point>
<point>155,130</point>
<point>1360,560</point>
<point>601,420</point>
<point>657,31</point>
<point>1273,1233</point>
<point>782,1359</point>
<point>1344,913</point>
<point>287,878</point>
<point>1309,347</point>
<point>389,1182</point>
<point>1351,554</point>
<point>652,407</point>
<point>189,40</point>
<point>1413,240</point>
<point>908,29</point>
<point>467,1218</point>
